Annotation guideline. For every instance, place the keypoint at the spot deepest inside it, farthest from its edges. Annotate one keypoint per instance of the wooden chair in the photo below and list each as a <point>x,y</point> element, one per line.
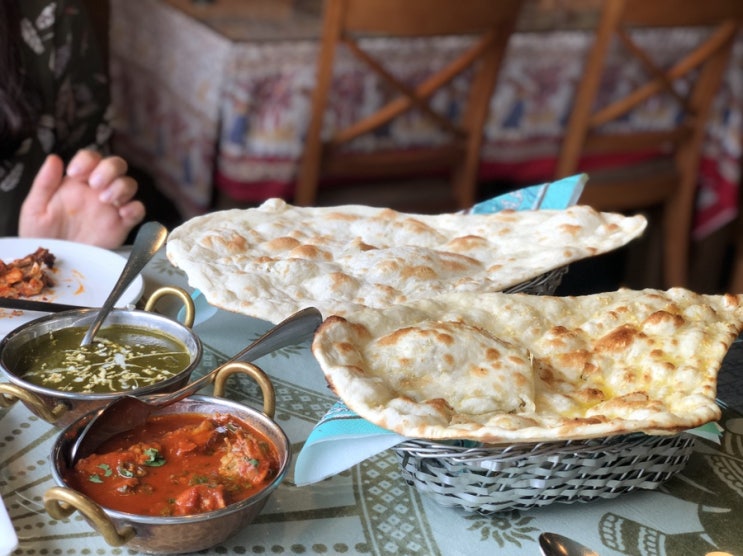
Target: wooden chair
<point>668,181</point>
<point>735,284</point>
<point>344,22</point>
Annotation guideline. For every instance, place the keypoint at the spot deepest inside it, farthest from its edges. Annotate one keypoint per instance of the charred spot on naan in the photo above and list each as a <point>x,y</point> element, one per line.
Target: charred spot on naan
<point>281,244</point>
<point>466,243</point>
<point>309,252</point>
<point>618,340</point>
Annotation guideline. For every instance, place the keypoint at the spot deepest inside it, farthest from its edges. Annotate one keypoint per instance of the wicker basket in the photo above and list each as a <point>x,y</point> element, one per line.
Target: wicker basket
<point>544,284</point>
<point>520,477</point>
<point>490,479</point>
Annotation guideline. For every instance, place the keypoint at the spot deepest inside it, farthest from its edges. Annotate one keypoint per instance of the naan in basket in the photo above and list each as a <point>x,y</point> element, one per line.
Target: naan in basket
<point>504,368</point>
<point>273,260</point>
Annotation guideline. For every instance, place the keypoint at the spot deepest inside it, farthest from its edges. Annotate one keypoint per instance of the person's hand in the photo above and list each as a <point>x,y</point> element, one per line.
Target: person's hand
<point>92,202</point>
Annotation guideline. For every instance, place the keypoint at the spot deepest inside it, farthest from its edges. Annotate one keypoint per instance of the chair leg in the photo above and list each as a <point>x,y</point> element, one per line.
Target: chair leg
<point>675,252</point>
<point>464,183</point>
<point>305,193</point>
<point>309,171</point>
<point>465,173</point>
<point>736,272</point>
<point>677,218</point>
<point>644,256</point>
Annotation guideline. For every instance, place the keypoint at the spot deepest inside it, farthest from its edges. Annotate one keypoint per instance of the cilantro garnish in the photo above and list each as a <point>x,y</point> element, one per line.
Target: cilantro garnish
<point>154,459</point>
<point>95,479</point>
<point>106,469</point>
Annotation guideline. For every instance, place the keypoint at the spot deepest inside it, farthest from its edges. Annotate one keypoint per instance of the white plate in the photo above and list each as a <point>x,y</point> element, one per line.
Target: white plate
<point>83,275</point>
<point>8,538</point>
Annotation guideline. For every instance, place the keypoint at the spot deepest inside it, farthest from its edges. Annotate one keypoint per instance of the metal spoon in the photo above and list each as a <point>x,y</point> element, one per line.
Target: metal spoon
<point>554,544</point>
<point>150,238</point>
<point>127,412</point>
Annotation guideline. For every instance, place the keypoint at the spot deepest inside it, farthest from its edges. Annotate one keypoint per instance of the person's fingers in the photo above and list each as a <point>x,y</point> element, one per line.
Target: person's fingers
<point>83,164</point>
<point>132,213</point>
<point>106,171</point>
<point>119,192</point>
<point>45,184</point>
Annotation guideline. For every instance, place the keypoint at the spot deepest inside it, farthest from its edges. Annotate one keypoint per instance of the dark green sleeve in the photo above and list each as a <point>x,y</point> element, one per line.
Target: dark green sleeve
<point>81,87</point>
<point>62,61</point>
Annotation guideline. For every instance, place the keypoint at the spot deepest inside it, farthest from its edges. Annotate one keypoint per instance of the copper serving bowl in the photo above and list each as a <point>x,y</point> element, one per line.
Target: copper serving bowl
<point>174,534</point>
<point>61,408</point>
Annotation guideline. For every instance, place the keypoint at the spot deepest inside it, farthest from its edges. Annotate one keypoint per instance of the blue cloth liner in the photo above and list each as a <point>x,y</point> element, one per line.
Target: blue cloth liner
<point>339,441</point>
<point>203,310</point>
<point>557,195</point>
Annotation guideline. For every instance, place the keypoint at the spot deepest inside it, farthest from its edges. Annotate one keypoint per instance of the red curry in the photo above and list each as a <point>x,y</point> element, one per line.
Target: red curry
<point>178,464</point>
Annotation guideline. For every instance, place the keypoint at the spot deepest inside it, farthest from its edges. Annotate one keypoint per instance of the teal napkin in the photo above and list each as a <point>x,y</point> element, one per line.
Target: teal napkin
<point>555,195</point>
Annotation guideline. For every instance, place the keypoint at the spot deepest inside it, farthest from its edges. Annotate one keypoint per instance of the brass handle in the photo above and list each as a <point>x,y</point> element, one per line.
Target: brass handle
<point>37,406</point>
<point>257,374</point>
<point>61,502</point>
<point>179,293</point>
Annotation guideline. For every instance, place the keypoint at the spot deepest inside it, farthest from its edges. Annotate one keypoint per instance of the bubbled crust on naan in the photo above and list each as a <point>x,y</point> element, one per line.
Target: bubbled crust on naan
<point>444,356</point>
<point>271,261</point>
<point>603,364</point>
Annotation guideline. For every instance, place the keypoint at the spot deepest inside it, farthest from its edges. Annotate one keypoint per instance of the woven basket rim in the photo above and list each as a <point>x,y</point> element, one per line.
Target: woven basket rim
<point>521,477</point>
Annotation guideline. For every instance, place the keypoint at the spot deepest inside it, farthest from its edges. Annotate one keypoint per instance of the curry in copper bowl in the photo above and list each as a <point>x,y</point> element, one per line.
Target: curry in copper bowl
<point>190,477</point>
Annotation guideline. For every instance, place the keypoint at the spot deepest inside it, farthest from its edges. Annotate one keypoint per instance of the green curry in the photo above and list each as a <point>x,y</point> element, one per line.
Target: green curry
<point>120,358</point>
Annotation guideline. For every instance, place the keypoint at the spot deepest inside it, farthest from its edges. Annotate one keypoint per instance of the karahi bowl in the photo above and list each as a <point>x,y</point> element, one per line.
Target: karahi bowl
<point>173,534</point>
<point>61,407</point>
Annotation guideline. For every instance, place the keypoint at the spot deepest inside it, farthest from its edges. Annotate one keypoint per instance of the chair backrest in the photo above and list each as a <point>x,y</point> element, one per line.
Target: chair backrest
<point>668,175</point>
<point>707,61</point>
<point>347,20</point>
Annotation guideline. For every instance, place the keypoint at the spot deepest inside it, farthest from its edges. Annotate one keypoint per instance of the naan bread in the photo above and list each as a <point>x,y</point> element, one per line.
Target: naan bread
<point>273,260</point>
<point>499,367</point>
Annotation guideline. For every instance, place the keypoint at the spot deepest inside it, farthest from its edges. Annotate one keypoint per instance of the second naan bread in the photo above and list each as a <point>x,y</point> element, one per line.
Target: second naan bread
<point>273,260</point>
<point>502,367</point>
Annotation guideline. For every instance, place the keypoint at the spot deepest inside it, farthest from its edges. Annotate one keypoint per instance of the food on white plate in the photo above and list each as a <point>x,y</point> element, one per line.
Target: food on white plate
<point>503,368</point>
<point>27,276</point>
<point>270,261</point>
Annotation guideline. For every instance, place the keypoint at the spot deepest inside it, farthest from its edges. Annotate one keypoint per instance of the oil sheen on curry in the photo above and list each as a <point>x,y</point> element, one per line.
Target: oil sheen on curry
<point>178,465</point>
<point>120,358</point>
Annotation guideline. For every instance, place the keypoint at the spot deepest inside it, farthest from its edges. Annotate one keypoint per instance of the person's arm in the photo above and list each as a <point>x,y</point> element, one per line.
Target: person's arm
<point>78,193</point>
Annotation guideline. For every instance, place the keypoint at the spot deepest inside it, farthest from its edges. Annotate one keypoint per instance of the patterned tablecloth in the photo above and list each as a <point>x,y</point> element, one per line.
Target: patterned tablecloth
<point>369,509</point>
<point>200,110</point>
